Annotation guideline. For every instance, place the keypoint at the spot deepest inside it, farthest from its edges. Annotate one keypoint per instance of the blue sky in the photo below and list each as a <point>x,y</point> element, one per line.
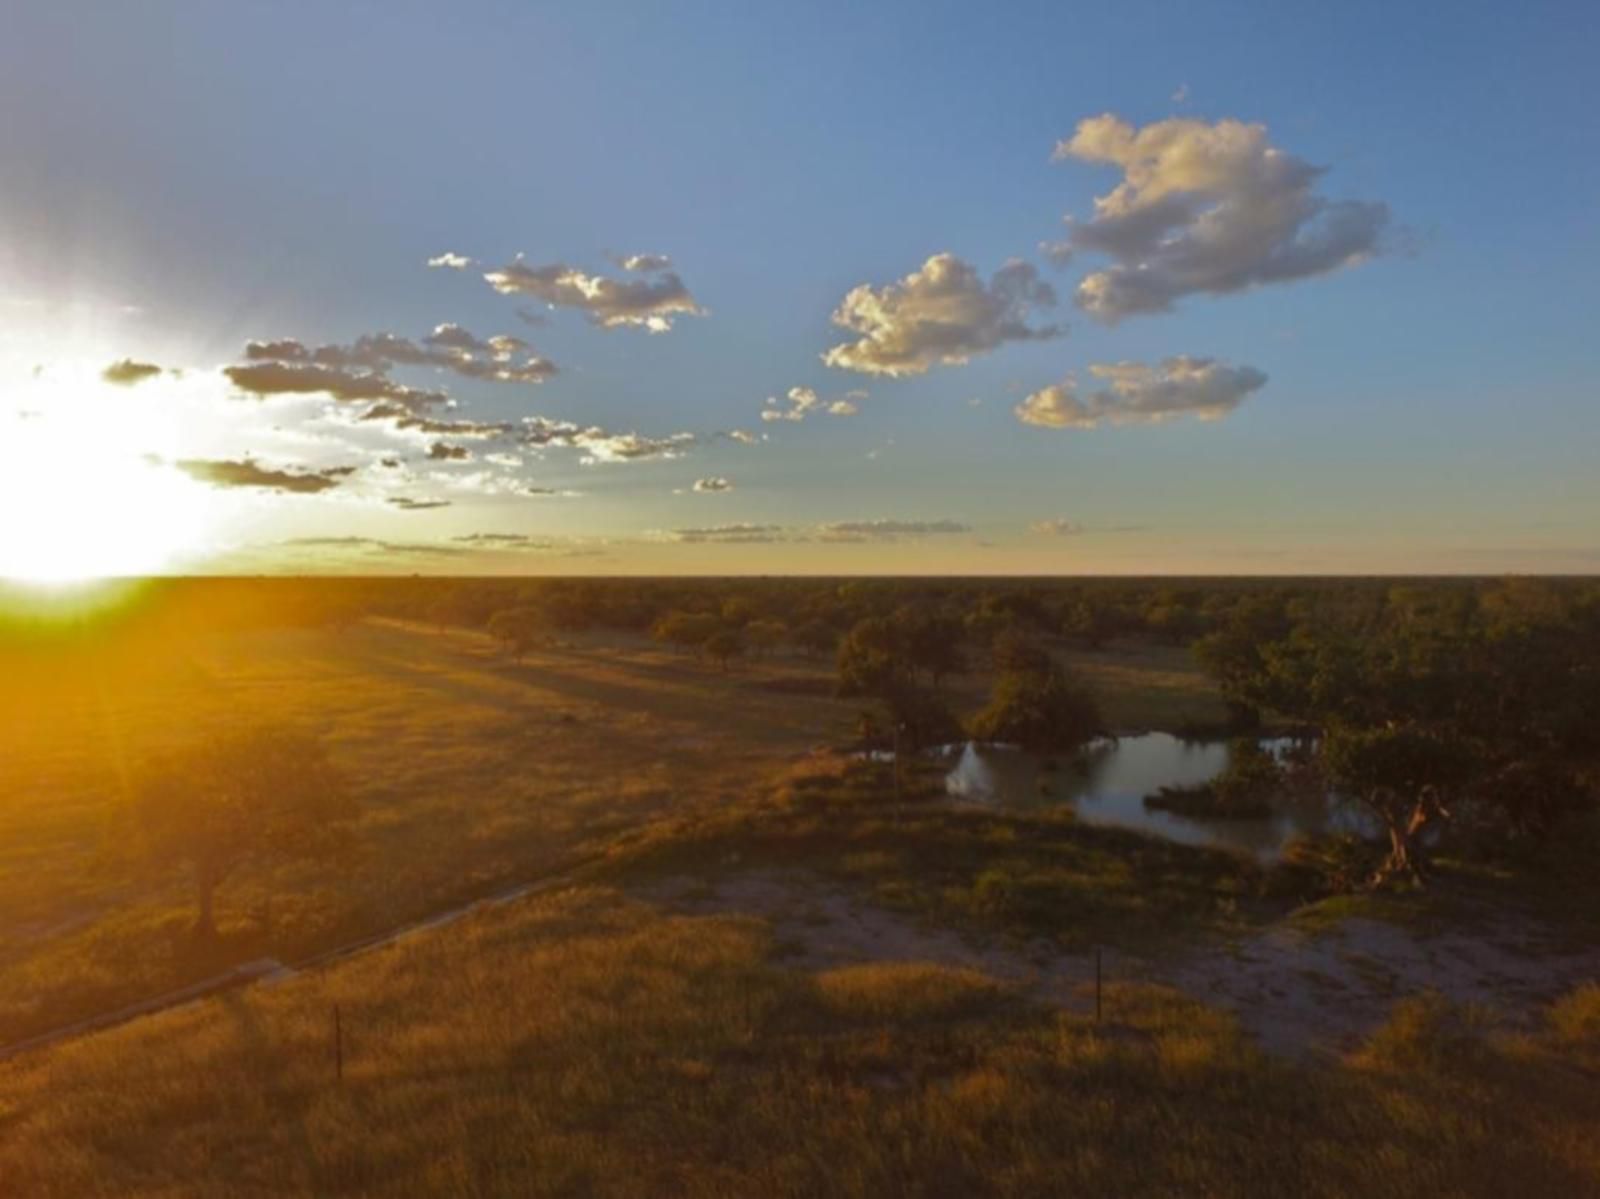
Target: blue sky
<point>181,178</point>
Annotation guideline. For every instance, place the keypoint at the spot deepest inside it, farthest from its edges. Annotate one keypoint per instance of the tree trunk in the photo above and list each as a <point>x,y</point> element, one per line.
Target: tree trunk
<point>1408,857</point>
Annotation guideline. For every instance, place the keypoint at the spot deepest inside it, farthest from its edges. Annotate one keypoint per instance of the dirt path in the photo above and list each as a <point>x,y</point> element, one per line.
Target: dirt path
<point>1294,990</point>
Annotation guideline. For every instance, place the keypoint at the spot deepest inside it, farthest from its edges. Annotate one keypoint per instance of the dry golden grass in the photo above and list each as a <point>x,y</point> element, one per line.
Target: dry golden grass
<point>472,773</point>
<point>583,1044</point>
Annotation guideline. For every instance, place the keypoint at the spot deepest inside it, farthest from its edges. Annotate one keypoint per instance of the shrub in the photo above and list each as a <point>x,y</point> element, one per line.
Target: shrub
<point>1038,709</point>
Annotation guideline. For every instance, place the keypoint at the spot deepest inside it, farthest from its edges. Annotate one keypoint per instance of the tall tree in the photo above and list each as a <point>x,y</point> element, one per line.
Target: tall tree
<point>213,807</point>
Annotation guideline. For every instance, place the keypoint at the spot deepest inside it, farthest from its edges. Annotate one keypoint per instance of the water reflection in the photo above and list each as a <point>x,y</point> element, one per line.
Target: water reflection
<point>1107,781</point>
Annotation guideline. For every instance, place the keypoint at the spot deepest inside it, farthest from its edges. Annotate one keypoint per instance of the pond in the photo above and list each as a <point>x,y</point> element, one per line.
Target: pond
<point>1106,782</point>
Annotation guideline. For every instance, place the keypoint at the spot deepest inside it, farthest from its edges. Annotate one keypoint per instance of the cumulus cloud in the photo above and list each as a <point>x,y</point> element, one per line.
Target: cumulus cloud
<point>714,484</point>
<point>128,372</point>
<point>800,402</point>
<point>1207,208</point>
<point>246,472</point>
<point>794,405</point>
<point>444,451</point>
<point>1136,393</point>
<point>650,303</point>
<point>942,314</point>
<point>406,504</point>
<point>643,263</point>
<point>450,260</point>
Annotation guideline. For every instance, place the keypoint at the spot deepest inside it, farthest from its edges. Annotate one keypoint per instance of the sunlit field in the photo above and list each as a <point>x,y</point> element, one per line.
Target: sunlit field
<point>656,887</point>
<point>473,771</point>
<point>586,1044</point>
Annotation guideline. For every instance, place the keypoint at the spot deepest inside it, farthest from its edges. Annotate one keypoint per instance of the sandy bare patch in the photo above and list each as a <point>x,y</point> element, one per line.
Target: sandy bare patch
<point>1295,991</point>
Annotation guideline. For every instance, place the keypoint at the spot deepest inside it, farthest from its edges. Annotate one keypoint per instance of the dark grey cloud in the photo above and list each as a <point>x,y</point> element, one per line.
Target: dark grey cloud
<point>246,472</point>
<point>265,379</point>
<point>127,372</point>
<point>498,359</point>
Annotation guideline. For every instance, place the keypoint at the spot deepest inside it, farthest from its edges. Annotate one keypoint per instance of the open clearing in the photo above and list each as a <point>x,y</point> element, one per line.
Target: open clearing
<point>1296,987</point>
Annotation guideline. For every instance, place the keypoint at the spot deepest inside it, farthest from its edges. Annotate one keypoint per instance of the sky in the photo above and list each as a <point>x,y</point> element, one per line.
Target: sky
<point>750,288</point>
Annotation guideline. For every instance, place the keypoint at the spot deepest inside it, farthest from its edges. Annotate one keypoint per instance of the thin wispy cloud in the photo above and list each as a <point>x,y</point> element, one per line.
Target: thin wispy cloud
<point>246,472</point>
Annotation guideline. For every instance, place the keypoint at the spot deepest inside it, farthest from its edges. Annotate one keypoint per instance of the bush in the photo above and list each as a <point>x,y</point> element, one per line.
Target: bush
<point>1039,710</point>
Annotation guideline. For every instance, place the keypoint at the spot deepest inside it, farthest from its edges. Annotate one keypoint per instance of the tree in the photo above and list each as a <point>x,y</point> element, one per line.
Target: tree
<point>871,658</point>
<point>1038,709</point>
<point>1435,700</point>
<point>919,717</point>
<point>518,629</point>
<point>724,645</point>
<point>816,637</point>
<point>765,636</point>
<point>1406,776</point>
<point>930,640</point>
<point>686,630</point>
<point>218,805</point>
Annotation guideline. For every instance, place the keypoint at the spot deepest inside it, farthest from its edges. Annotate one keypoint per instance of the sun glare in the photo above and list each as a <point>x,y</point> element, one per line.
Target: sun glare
<point>80,499</point>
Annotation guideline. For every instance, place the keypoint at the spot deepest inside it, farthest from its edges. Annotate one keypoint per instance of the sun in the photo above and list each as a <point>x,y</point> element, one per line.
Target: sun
<point>82,498</point>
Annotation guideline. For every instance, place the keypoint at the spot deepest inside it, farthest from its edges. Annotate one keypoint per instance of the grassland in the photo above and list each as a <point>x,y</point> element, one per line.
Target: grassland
<point>473,772</point>
<point>583,1043</point>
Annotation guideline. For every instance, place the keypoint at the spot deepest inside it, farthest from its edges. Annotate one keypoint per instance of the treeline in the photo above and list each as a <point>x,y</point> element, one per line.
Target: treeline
<point>807,615</point>
<point>1449,712</point>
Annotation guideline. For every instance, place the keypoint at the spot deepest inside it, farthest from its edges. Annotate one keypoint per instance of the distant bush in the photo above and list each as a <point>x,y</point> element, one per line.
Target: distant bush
<point>1039,710</point>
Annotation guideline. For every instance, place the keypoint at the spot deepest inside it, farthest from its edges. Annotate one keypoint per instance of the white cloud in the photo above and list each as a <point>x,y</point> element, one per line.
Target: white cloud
<point>800,402</point>
<point>451,261</point>
<point>1206,208</point>
<point>643,263</point>
<point>652,303</point>
<point>714,484</point>
<point>1139,394</point>
<point>942,314</point>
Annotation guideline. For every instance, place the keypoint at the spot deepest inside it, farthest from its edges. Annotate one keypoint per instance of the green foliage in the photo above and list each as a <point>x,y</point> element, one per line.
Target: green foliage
<point>920,716</point>
<point>686,630</point>
<point>870,658</point>
<point>724,646</point>
<point>1037,709</point>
